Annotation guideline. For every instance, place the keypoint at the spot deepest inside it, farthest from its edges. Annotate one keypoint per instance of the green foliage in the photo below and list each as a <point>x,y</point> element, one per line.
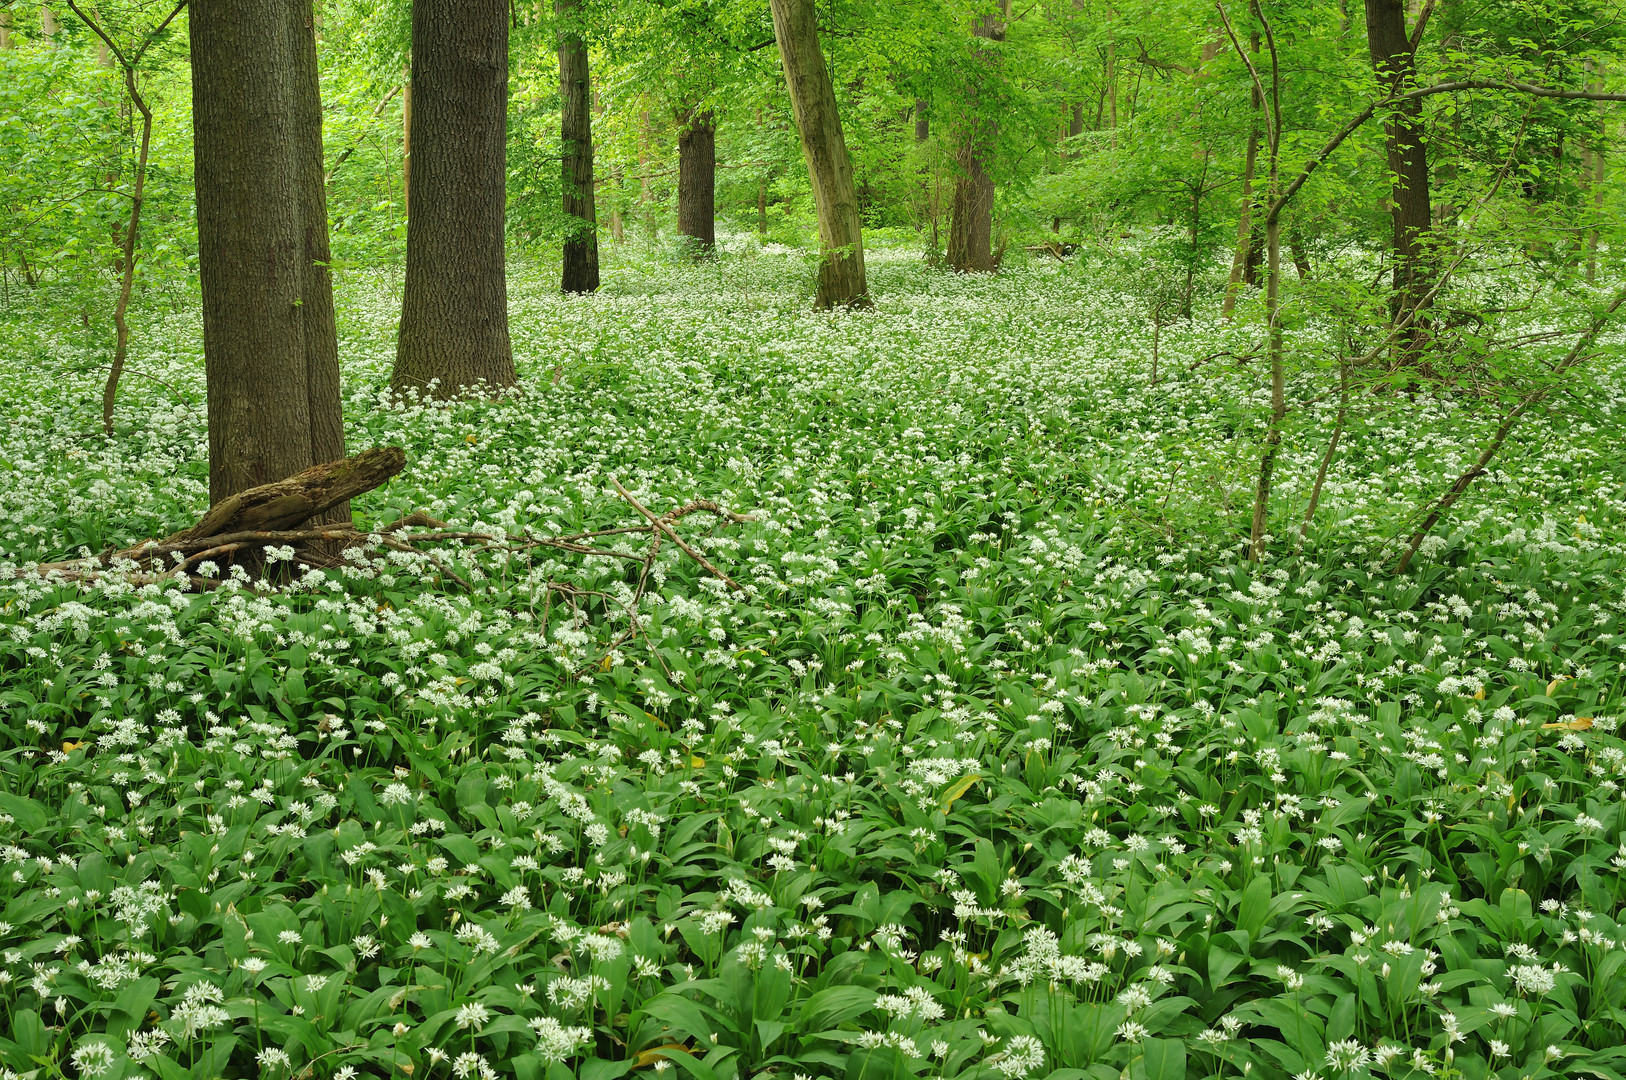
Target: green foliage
<point>1003,766</point>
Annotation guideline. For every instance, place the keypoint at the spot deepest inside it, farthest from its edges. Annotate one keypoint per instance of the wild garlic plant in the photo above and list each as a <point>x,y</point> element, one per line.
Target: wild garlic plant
<point>1002,766</point>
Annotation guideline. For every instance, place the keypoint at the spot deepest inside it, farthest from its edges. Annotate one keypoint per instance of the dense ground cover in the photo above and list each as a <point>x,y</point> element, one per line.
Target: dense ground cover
<point>1006,766</point>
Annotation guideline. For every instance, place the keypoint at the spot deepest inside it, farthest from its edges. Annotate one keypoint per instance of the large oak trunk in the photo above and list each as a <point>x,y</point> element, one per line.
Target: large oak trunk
<point>971,222</point>
<point>270,357</point>
<point>835,196</point>
<point>1394,61</point>
<point>579,272</point>
<point>454,317</point>
<point>697,180</point>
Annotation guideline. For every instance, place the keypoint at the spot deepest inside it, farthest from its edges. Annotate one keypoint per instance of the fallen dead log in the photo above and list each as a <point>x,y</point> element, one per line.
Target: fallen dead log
<point>270,513</point>
<point>242,527</point>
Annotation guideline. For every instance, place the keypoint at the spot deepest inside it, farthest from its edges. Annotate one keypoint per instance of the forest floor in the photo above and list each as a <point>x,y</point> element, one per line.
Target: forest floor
<point>1001,763</point>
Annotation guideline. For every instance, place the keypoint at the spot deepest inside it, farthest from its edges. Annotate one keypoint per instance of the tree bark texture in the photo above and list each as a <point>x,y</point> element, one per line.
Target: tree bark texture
<point>579,267</point>
<point>454,317</point>
<point>971,221</point>
<point>835,196</point>
<point>1393,59</point>
<point>322,383</point>
<point>269,352</point>
<point>697,180</point>
<point>307,496</point>
<point>5,29</point>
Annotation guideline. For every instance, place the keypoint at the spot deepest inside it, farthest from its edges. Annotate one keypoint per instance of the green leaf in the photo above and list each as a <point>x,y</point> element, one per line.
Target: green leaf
<point>1164,1059</point>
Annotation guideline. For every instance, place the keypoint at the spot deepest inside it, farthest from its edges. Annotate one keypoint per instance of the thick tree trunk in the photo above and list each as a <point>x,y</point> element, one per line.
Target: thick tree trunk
<point>253,163</point>
<point>48,24</point>
<point>697,180</point>
<point>971,224</point>
<point>1394,61</point>
<point>579,271</point>
<point>5,28</point>
<point>835,196</point>
<point>454,317</point>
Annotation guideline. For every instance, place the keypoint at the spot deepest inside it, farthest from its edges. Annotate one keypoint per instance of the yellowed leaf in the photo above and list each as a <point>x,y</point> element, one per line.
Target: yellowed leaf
<point>1479,695</point>
<point>69,747</point>
<point>1580,723</point>
<point>659,1053</point>
<point>1552,687</point>
<point>696,761</point>
<point>957,789</point>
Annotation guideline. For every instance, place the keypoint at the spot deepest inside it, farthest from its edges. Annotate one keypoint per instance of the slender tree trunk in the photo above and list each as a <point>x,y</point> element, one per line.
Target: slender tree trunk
<point>454,317</point>
<point>1326,459</point>
<point>250,100</point>
<point>48,24</point>
<point>406,142</point>
<point>971,224</point>
<point>121,307</point>
<point>813,101</point>
<point>579,271</point>
<point>644,200</point>
<point>5,28</point>
<point>1394,61</point>
<point>322,380</point>
<point>923,134</point>
<point>697,180</point>
<point>1242,258</point>
<point>1593,178</point>
<point>618,229</point>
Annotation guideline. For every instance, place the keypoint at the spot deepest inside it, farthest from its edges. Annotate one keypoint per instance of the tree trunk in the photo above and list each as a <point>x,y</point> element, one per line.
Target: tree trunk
<point>579,272</point>
<point>923,134</point>
<point>813,101</point>
<point>322,380</point>
<point>5,28</point>
<point>273,401</point>
<point>644,201</point>
<point>48,23</point>
<point>971,223</point>
<point>131,233</point>
<point>697,180</point>
<point>1243,258</point>
<point>1394,61</point>
<point>618,229</point>
<point>454,317</point>
<point>406,142</point>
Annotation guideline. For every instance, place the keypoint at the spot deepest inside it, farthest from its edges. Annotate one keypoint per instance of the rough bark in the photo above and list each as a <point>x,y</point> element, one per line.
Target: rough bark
<point>697,180</point>
<point>309,495</point>
<point>454,317</point>
<point>579,266</point>
<point>1393,59</point>
<point>971,221</point>
<point>835,196</point>
<point>251,162</point>
<point>322,382</point>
